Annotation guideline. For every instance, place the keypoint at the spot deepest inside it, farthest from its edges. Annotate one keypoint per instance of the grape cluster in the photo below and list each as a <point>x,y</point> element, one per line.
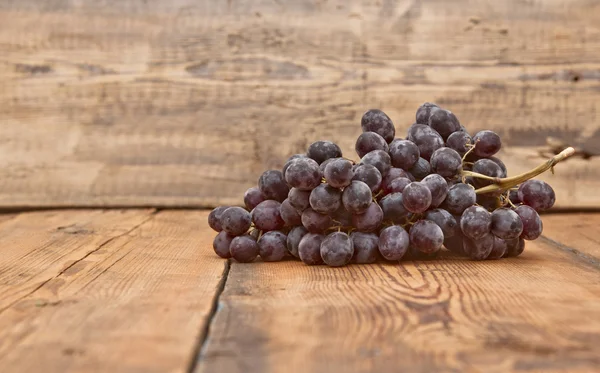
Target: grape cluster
<point>406,198</point>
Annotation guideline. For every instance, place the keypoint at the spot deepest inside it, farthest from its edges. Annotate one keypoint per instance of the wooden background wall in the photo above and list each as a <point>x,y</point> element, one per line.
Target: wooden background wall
<point>185,103</point>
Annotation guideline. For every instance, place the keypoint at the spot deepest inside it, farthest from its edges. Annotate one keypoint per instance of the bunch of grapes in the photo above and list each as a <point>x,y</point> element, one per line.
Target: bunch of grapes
<point>406,198</point>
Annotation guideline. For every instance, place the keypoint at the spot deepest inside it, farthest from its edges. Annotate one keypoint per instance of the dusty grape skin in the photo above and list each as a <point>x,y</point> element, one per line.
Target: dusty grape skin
<point>486,167</point>
<point>446,162</point>
<point>289,162</point>
<point>416,131</point>
<point>221,244</point>
<point>357,197</point>
<point>438,186</point>
<point>513,195</point>
<point>377,121</point>
<point>272,246</point>
<point>243,249</point>
<point>398,184</point>
<point>498,249</point>
<point>460,196</point>
<point>325,199</point>
<point>444,122</point>
<point>459,141</point>
<point>416,197</point>
<point>487,143</point>
<point>444,220</point>
<point>273,186</point>
<point>455,244</point>
<point>337,249</point>
<point>315,222</point>
<point>369,220</point>
<point>366,247</point>
<point>421,169</point>
<point>537,194</point>
<point>339,173</point>
<point>325,163</point>
<point>252,197</point>
<point>479,249</point>
<point>475,222</point>
<point>506,223</point>
<point>214,218</point>
<point>380,159</point>
<point>303,174</point>
<point>428,144</point>
<point>309,249</point>
<point>293,239</point>
<point>369,175</point>
<point>500,164</point>
<point>424,112</point>
<point>515,247</point>
<point>404,154</point>
<point>393,242</point>
<point>392,174</point>
<point>369,141</point>
<point>267,216</point>
<point>289,214</point>
<point>236,220</point>
<point>393,208</point>
<point>532,223</point>
<point>426,236</point>
<point>322,150</point>
<point>299,199</point>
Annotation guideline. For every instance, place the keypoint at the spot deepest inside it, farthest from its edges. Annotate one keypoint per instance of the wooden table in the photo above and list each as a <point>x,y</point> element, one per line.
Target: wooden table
<point>142,291</point>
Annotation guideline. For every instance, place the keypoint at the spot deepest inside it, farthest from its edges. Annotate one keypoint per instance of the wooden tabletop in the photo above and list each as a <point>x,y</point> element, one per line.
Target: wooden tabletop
<point>142,291</point>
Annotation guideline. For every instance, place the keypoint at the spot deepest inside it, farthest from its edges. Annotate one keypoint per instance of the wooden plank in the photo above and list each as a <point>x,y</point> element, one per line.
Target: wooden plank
<point>137,304</point>
<point>577,233</point>
<point>186,102</point>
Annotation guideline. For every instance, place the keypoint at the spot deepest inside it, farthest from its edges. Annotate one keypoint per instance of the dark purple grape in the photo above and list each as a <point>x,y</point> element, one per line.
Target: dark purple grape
<point>404,153</point>
<point>438,186</point>
<point>244,249</point>
<point>424,112</point>
<point>506,223</point>
<point>421,169</point>
<point>393,242</point>
<point>475,222</point>
<point>236,220</point>
<point>293,239</point>
<point>377,121</point>
<point>417,131</point>
<point>214,218</point>
<point>501,165</point>
<point>321,150</point>
<point>325,163</point>
<point>428,144</point>
<point>487,143</point>
<point>289,162</point>
<point>479,249</point>
<point>315,222</point>
<point>416,254</point>
<point>357,197</point>
<point>417,197</point>
<point>369,175</point>
<point>499,248</point>
<point>273,186</point>
<point>309,249</point>
<point>299,199</point>
<point>267,216</point>
<point>488,201</point>
<point>459,141</point>
<point>252,197</point>
<point>426,236</point>
<point>532,223</point>
<point>289,214</point>
<point>537,194</point>
<point>513,195</point>
<point>460,196</point>
<point>325,199</point>
<point>393,208</point>
<point>221,244</point>
<point>303,174</point>
<point>369,141</point>
<point>339,173</point>
<point>337,249</point>
<point>486,167</point>
<point>342,217</point>
<point>272,246</point>
<point>380,159</point>
<point>366,247</point>
<point>444,220</point>
<point>514,247</point>
<point>369,220</point>
<point>398,184</point>
<point>444,122</point>
<point>455,244</point>
<point>446,162</point>
<point>392,174</point>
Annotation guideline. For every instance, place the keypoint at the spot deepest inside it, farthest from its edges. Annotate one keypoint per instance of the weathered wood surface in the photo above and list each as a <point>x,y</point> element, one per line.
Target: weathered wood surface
<point>187,102</point>
<point>578,233</point>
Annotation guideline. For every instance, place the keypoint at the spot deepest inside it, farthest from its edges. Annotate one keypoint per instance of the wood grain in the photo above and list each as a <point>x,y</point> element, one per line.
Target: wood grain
<point>185,103</point>
<point>576,233</point>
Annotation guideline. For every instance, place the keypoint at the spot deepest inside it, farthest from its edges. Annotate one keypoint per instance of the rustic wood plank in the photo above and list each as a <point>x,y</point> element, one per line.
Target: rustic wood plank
<point>138,304</point>
<point>575,232</point>
<point>186,102</point>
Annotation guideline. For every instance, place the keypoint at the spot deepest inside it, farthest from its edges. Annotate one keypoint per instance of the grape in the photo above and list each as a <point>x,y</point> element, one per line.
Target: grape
<point>398,184</point>
<point>488,201</point>
<point>532,223</point>
<point>428,144</point>
<point>455,244</point>
<point>293,239</point>
<point>421,169</point>
<point>459,141</point>
<point>515,247</point>
<point>342,217</point>
<point>500,164</point>
<point>506,223</point>
<point>235,220</point>
<point>221,244</point>
<point>315,222</point>
<point>369,220</point>
<point>369,175</point>
<point>513,195</point>
<point>475,222</point>
<point>377,121</point>
<point>289,162</point>
<point>357,197</point>
<point>498,249</point>
<point>416,254</point>
<point>320,151</point>
<point>537,194</point>
<point>393,242</point>
<point>444,220</point>
<point>243,249</point>
<point>325,199</point>
<point>337,249</point>
<point>460,196</point>
<point>438,187</point>
<point>426,236</point>
<point>417,197</point>
<point>403,153</point>
<point>486,167</point>
<point>303,174</point>
<point>487,143</point>
<point>424,112</point>
<point>366,247</point>
<point>273,186</point>
<point>339,173</point>
<point>380,159</point>
<point>253,197</point>
<point>214,218</point>
<point>417,131</point>
<point>267,216</point>
<point>446,162</point>
<point>325,163</point>
<point>309,249</point>
<point>392,174</point>
<point>299,199</point>
<point>369,141</point>
<point>479,249</point>
<point>272,246</point>
<point>393,208</point>
<point>444,122</point>
<point>289,214</point>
